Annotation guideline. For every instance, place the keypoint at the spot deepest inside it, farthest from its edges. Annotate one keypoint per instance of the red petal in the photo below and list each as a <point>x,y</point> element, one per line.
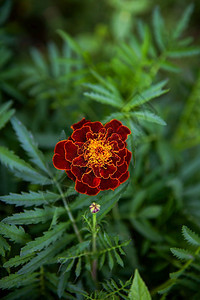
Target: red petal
<point>79,135</point>
<point>115,137</point>
<point>115,158</point>
<point>79,124</point>
<point>59,148</point>
<point>90,179</point>
<point>70,150</point>
<point>106,171</point>
<point>95,126</point>
<point>70,175</point>
<point>123,131</point>
<point>107,184</point>
<point>85,189</point>
<point>96,171</point>
<point>60,163</point>
<point>78,172</point>
<point>114,124</point>
<point>122,154</point>
<point>128,157</point>
<point>124,177</point>
<point>79,161</point>
<point>120,170</point>
<point>109,132</point>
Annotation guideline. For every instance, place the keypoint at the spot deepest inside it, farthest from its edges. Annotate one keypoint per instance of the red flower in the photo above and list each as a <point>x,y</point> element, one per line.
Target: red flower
<point>94,156</point>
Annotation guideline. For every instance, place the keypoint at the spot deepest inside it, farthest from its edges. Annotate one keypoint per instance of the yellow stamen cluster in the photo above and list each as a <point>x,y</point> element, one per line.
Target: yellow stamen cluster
<point>97,152</point>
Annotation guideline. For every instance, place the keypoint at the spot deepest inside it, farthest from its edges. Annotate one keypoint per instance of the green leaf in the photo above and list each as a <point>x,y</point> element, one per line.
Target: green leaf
<point>31,198</point>
<point>145,96</point>
<point>28,292</point>
<point>118,259</point>
<point>110,260</point>
<point>182,254</point>
<point>4,246</point>
<point>29,145</point>
<point>138,290</point>
<point>14,233</point>
<point>144,227</point>
<point>109,199</point>
<point>179,53</point>
<point>78,268</point>
<point>16,280</point>
<point>150,212</point>
<point>71,42</point>
<point>54,55</point>
<point>190,236</point>
<point>18,260</point>
<point>109,100</point>
<point>159,26</point>
<point>148,116</point>
<point>5,114</point>
<point>21,168</point>
<point>62,284</point>
<point>183,22</point>
<point>102,260</point>
<point>170,67</point>
<point>44,241</point>
<point>39,61</point>
<point>44,256</point>
<point>34,216</point>
<point>5,11</point>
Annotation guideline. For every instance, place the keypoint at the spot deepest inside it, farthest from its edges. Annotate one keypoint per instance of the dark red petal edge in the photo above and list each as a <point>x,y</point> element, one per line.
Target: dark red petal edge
<point>79,124</point>
<point>85,189</point>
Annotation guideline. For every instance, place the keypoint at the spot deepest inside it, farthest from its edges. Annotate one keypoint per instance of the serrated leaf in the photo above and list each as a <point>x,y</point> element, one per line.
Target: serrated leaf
<point>18,260</point>
<point>102,260</point>
<point>183,22</point>
<point>190,236</point>
<point>4,246</point>
<point>5,117</point>
<point>107,239</point>
<point>179,53</point>
<point>14,233</point>
<point>44,256</point>
<point>138,290</point>
<point>29,145</point>
<point>182,254</point>
<point>158,26</point>
<point>21,168</point>
<point>71,42</point>
<point>31,198</point>
<point>33,216</point>
<point>148,116</point>
<point>63,280</point>
<point>28,292</point>
<point>110,260</point>
<point>146,95</point>
<point>78,268</point>
<point>44,241</point>
<point>17,280</point>
<point>39,60</point>
<point>118,259</point>
<point>109,100</point>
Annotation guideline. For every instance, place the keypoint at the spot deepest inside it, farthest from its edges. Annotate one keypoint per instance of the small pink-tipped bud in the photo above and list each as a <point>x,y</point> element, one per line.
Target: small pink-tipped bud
<point>94,208</point>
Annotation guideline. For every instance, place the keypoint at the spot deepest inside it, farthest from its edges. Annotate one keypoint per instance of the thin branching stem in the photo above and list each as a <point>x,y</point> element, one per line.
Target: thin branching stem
<point>76,230</point>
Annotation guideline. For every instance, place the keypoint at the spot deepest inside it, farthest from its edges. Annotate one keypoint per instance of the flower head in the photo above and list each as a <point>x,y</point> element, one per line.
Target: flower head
<point>94,156</point>
<point>94,208</point>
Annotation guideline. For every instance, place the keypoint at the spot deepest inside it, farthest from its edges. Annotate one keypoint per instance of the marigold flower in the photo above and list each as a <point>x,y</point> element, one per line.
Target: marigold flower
<point>94,208</point>
<point>94,156</point>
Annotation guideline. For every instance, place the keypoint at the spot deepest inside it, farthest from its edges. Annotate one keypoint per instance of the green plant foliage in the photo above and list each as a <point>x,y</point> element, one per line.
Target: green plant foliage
<point>124,60</point>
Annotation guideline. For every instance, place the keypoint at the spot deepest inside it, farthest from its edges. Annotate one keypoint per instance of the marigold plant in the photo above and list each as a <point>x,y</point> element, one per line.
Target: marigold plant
<point>95,156</point>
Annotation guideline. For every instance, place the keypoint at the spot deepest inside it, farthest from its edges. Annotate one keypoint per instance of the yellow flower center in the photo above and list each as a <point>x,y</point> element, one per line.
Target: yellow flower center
<point>97,152</point>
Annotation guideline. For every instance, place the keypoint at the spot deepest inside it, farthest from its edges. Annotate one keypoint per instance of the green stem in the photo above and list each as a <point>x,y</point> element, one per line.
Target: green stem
<point>94,248</point>
<point>77,232</point>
